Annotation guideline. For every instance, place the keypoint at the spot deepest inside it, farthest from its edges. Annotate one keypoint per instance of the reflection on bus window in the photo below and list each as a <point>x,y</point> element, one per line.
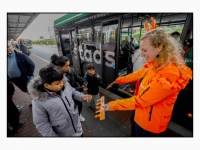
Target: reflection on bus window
<point>109,34</point>
<point>97,33</point>
<point>172,28</point>
<point>84,35</point>
<point>65,38</point>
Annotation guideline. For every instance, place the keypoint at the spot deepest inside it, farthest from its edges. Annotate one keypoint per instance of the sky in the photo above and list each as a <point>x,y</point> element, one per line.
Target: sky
<point>39,27</point>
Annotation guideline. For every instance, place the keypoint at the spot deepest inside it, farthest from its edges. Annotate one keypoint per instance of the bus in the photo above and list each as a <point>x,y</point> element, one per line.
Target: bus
<point>101,39</point>
<point>27,43</point>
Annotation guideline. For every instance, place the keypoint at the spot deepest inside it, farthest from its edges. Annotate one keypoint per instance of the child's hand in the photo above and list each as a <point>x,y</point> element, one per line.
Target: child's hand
<point>106,107</point>
<point>97,76</point>
<point>87,97</point>
<point>85,89</point>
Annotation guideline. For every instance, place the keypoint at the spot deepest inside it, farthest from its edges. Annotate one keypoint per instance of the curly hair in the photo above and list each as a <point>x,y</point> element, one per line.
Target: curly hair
<point>172,50</point>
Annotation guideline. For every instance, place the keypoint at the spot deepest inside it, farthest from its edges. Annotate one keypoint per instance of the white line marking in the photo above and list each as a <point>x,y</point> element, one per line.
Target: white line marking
<point>41,58</point>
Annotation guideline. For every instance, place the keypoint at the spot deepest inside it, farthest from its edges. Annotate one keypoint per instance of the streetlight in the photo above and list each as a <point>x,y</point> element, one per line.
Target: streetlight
<point>50,36</point>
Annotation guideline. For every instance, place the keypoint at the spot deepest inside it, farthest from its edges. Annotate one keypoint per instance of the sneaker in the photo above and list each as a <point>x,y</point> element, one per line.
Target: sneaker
<point>21,124</point>
<point>82,118</point>
<point>19,107</point>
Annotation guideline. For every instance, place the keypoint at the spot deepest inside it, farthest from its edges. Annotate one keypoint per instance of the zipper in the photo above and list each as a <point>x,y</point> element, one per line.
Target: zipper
<point>145,91</point>
<point>150,112</point>
<point>68,113</point>
<point>67,100</point>
<point>142,78</point>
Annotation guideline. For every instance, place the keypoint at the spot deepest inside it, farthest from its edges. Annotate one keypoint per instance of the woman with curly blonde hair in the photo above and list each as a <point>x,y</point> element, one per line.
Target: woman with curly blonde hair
<point>158,84</point>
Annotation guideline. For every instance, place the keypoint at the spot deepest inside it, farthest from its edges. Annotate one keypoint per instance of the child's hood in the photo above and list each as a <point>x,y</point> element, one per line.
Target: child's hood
<point>34,91</point>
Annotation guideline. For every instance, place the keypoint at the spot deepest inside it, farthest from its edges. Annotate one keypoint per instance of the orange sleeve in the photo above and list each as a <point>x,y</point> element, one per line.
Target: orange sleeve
<point>131,77</point>
<point>156,91</point>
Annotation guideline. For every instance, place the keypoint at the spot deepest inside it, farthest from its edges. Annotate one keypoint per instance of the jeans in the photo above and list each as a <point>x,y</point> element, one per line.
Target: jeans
<point>136,130</point>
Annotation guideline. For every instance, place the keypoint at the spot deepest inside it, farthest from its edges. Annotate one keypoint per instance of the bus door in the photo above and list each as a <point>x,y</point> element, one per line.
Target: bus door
<point>109,46</point>
<point>65,41</point>
<point>89,46</point>
<point>74,51</point>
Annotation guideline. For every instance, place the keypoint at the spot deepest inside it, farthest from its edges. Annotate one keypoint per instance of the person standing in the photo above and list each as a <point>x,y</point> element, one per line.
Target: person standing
<point>92,80</point>
<point>12,111</point>
<point>175,34</point>
<point>54,110</point>
<point>63,63</point>
<point>138,63</point>
<point>158,84</point>
<point>20,68</point>
<point>23,48</point>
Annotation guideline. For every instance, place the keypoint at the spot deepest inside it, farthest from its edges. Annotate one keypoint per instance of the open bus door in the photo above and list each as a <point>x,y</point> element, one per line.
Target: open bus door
<point>65,42</point>
<point>74,51</point>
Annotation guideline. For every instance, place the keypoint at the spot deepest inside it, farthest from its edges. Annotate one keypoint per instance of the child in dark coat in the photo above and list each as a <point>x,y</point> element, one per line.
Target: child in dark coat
<point>91,80</point>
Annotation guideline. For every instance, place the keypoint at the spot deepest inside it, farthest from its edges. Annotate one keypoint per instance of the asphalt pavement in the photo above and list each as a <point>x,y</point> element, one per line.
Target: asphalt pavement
<point>43,51</point>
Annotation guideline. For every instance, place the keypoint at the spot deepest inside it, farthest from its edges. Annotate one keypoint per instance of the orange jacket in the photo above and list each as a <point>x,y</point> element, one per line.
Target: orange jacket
<point>155,95</point>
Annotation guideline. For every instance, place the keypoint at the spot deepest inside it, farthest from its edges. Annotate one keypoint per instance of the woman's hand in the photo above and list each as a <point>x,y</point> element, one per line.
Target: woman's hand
<point>106,107</point>
<point>87,97</point>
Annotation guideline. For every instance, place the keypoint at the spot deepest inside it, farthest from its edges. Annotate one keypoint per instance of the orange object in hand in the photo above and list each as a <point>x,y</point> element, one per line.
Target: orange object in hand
<point>101,111</point>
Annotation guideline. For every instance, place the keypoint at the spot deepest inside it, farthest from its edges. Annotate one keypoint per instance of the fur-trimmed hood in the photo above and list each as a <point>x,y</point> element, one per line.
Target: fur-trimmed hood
<point>37,94</point>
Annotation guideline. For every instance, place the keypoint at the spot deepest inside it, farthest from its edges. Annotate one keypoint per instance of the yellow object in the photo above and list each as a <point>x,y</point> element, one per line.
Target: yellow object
<point>151,27</point>
<point>100,107</point>
<point>21,39</point>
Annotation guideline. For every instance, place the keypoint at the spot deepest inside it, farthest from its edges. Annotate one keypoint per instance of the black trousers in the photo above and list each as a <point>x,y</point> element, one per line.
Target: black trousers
<point>136,130</point>
<point>80,105</point>
<point>12,113</point>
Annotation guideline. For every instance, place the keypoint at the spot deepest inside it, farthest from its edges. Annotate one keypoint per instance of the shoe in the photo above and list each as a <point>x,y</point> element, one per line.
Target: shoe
<point>82,118</point>
<point>21,124</point>
<point>19,107</point>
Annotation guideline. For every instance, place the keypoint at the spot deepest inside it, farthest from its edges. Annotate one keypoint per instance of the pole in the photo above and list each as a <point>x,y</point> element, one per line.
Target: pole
<point>50,36</point>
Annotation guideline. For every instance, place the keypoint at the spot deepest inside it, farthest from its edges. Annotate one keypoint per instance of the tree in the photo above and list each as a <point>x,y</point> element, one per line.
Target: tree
<point>41,37</point>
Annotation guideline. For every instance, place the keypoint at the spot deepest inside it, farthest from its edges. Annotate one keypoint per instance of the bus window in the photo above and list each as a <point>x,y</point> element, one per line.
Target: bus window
<point>136,33</point>
<point>109,37</point>
<point>124,50</point>
<point>109,34</point>
<point>97,33</point>
<point>84,35</point>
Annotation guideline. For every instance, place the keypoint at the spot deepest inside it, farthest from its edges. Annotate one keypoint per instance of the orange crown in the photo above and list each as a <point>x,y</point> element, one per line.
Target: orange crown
<point>151,27</point>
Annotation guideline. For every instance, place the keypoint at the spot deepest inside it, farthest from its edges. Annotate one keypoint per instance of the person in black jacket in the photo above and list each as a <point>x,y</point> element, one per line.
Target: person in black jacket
<point>23,48</point>
<point>63,63</point>
<point>20,68</point>
<point>12,111</point>
<point>91,80</point>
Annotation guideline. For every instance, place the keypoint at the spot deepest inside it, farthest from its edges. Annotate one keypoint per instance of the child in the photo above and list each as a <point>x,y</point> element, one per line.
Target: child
<point>91,80</point>
<point>72,77</point>
<point>54,112</point>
